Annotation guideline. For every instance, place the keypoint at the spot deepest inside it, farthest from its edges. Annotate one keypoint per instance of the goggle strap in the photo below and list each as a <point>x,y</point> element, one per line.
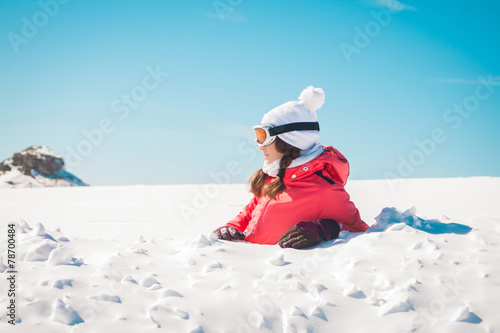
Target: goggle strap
<point>305,126</point>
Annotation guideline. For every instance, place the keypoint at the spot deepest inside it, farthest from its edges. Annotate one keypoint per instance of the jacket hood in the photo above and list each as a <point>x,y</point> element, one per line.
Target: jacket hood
<point>331,163</point>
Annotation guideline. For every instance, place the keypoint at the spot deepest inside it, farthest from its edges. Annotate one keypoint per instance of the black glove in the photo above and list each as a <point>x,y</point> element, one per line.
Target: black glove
<point>228,233</point>
<point>309,233</point>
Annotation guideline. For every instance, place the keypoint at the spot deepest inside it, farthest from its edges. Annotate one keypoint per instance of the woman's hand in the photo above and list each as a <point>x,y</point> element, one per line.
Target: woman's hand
<point>309,233</point>
<point>228,233</point>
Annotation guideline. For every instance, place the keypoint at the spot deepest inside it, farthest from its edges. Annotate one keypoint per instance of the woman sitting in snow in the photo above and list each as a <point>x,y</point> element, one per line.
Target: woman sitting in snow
<point>299,196</point>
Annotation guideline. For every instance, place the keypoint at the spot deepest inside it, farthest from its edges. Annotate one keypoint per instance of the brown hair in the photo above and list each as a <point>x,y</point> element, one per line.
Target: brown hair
<point>277,186</point>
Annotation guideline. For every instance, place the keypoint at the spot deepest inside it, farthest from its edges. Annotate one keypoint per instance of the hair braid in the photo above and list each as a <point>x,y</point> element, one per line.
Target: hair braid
<point>277,186</point>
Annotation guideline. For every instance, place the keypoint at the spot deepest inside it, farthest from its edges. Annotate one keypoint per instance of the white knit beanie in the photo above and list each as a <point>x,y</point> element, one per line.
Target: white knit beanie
<point>303,110</point>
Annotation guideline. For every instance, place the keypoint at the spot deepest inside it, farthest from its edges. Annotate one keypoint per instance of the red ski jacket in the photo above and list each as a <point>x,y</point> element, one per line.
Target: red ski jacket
<point>315,190</point>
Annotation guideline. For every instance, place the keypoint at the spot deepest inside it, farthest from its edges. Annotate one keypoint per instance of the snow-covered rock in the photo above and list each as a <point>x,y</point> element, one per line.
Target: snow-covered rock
<point>36,166</point>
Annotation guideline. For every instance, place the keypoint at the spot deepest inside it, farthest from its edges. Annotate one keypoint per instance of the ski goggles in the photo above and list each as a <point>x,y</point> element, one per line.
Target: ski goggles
<point>266,134</point>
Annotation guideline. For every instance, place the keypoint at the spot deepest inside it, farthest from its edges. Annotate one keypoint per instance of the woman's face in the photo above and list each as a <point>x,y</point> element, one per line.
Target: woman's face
<point>270,153</point>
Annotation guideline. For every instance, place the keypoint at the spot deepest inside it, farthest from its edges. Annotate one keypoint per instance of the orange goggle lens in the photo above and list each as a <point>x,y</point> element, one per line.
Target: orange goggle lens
<point>260,134</point>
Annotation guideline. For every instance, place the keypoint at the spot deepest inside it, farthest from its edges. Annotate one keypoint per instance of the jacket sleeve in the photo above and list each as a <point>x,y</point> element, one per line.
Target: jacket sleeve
<point>240,222</point>
<point>337,205</point>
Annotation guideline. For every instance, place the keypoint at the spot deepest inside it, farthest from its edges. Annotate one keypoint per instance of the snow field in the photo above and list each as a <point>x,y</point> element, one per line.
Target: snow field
<point>406,274</point>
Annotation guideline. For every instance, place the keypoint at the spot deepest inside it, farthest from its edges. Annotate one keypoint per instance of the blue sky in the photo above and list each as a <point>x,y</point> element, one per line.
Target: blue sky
<point>166,92</point>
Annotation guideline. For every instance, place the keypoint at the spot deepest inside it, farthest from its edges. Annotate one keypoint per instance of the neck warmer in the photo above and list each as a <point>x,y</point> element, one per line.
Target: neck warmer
<point>308,155</point>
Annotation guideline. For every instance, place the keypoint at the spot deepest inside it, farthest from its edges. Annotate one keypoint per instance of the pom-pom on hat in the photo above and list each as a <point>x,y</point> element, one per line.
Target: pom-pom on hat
<point>303,110</point>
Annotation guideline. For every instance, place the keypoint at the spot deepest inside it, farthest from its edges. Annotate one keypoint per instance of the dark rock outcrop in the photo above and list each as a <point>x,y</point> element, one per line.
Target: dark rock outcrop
<point>37,166</point>
<point>4,168</point>
<point>31,159</point>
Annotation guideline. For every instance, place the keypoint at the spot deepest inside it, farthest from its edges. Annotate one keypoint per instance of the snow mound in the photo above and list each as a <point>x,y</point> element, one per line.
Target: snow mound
<point>465,315</point>
<point>65,314</point>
